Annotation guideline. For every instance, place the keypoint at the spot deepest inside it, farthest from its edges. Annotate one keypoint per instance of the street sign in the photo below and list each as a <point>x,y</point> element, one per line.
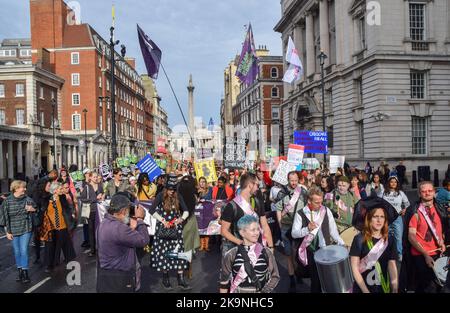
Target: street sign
<point>313,141</point>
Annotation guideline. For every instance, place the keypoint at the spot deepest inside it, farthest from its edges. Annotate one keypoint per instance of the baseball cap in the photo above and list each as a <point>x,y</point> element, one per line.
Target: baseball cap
<point>119,202</point>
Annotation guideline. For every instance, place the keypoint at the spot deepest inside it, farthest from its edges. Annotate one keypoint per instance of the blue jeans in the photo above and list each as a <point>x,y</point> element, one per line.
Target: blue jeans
<point>396,230</point>
<point>20,246</point>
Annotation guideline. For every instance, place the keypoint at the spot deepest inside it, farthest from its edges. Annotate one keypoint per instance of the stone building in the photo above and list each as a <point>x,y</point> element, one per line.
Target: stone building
<point>387,78</point>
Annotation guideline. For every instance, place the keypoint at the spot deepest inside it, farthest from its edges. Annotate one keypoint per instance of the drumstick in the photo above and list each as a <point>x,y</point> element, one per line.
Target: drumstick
<point>448,246</point>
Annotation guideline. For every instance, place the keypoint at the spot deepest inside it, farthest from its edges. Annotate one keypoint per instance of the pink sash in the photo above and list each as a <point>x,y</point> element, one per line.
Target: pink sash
<point>302,255</point>
<point>430,223</point>
<point>372,257</point>
<point>248,210</point>
<point>293,200</point>
<point>253,255</point>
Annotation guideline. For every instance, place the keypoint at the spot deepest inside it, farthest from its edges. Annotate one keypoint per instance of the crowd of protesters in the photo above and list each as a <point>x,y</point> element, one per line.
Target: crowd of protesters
<point>312,211</point>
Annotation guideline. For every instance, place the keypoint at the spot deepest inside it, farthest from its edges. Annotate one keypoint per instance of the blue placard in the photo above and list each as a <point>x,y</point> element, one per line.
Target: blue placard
<point>149,166</point>
<point>313,141</point>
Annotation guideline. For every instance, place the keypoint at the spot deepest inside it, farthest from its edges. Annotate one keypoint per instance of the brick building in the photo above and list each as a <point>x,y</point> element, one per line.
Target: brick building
<point>80,56</point>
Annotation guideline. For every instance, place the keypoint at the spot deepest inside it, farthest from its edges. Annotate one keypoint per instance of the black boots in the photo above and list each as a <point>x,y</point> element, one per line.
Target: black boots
<point>182,283</point>
<point>22,276</point>
<point>19,275</point>
<point>166,281</point>
<point>25,278</point>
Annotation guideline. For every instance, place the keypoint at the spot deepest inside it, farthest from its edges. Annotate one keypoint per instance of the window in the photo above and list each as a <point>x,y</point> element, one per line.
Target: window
<point>274,72</point>
<point>108,124</point>
<point>20,90</point>
<point>41,92</point>
<point>99,61</point>
<point>417,21</point>
<point>53,94</point>
<point>2,91</point>
<point>417,82</point>
<point>75,99</point>
<point>100,122</point>
<point>25,53</point>
<point>20,116</point>
<point>2,117</point>
<point>42,118</point>
<point>75,79</point>
<point>76,121</point>
<point>99,82</point>
<point>362,32</point>
<point>274,92</point>
<point>275,113</point>
<point>75,58</point>
<point>419,135</point>
<point>107,84</point>
<point>330,137</point>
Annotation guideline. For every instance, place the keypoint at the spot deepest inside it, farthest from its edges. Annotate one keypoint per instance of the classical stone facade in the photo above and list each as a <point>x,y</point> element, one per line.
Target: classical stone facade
<point>387,78</point>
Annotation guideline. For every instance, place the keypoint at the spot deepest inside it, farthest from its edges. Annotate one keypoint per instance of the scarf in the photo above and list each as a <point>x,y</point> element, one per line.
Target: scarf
<point>253,254</point>
<point>302,255</point>
<point>430,223</point>
<point>248,210</point>
<point>372,257</point>
<point>294,199</point>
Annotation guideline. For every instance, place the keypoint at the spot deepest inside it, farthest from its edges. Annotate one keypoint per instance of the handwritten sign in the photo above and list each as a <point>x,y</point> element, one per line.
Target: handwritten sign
<point>234,152</point>
<point>281,174</point>
<point>335,162</point>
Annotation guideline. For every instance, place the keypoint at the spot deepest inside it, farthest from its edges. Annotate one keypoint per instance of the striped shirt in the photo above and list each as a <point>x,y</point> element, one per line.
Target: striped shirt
<point>261,269</point>
<point>14,217</point>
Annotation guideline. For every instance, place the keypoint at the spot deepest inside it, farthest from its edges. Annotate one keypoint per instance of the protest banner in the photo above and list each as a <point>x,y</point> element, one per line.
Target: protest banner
<point>208,215</point>
<point>295,154</point>
<point>105,170</point>
<point>149,166</point>
<point>313,141</point>
<point>282,172</point>
<point>206,168</point>
<point>335,162</point>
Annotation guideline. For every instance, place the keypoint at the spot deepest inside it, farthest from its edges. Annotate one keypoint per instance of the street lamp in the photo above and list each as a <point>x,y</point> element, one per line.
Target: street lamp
<point>85,137</point>
<point>54,105</point>
<point>112,43</point>
<point>322,56</point>
<point>106,101</point>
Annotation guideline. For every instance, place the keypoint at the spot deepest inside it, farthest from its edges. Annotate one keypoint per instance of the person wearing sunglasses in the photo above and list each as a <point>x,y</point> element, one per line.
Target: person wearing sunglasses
<point>117,184</point>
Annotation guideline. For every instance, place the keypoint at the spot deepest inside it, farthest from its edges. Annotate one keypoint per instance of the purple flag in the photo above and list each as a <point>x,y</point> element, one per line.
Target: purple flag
<point>247,68</point>
<point>150,52</point>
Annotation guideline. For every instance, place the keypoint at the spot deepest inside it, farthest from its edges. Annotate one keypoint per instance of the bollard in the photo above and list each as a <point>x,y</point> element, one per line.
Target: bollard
<point>436,178</point>
<point>414,180</point>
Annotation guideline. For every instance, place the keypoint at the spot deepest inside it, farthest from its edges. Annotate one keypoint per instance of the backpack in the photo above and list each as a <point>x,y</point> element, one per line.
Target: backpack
<point>249,268</point>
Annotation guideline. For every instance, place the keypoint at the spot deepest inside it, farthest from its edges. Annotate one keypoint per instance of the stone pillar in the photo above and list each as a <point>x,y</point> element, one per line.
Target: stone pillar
<point>29,159</point>
<point>19,157</point>
<point>2,172</point>
<point>324,30</point>
<point>310,57</point>
<point>298,42</point>
<point>74,155</point>
<point>10,160</point>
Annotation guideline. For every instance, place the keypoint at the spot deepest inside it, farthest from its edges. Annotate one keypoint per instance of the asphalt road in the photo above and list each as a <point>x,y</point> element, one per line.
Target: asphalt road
<point>204,275</point>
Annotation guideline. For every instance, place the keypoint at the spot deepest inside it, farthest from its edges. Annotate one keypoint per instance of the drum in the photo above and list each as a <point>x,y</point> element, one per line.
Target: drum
<point>440,269</point>
<point>333,267</point>
<point>348,234</point>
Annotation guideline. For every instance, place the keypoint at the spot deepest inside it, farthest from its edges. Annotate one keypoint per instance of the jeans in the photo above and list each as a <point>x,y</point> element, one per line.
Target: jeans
<point>396,230</point>
<point>20,246</point>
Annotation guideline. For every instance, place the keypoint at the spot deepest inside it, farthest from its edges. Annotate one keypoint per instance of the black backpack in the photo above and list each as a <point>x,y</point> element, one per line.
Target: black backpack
<point>249,268</point>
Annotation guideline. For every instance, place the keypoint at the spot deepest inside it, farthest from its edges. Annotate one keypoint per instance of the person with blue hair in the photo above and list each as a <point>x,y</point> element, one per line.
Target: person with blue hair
<point>249,267</point>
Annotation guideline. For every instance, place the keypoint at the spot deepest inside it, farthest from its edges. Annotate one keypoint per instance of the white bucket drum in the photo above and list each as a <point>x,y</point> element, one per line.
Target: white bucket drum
<point>440,269</point>
<point>333,267</point>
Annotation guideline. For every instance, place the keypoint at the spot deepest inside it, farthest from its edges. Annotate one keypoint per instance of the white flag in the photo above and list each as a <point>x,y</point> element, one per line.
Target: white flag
<point>295,69</point>
<point>292,54</point>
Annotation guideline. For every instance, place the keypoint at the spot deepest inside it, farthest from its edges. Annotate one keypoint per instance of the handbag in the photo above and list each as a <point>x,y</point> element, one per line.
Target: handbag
<point>86,207</point>
<point>167,233</point>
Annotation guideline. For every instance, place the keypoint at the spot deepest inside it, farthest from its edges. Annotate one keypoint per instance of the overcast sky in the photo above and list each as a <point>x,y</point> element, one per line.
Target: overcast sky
<point>195,36</point>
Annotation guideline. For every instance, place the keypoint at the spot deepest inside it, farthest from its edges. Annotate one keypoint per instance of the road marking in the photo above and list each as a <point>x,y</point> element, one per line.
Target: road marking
<point>37,285</point>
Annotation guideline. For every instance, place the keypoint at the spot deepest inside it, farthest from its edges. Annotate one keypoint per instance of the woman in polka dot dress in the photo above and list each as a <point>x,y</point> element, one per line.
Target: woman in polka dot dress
<point>169,210</point>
